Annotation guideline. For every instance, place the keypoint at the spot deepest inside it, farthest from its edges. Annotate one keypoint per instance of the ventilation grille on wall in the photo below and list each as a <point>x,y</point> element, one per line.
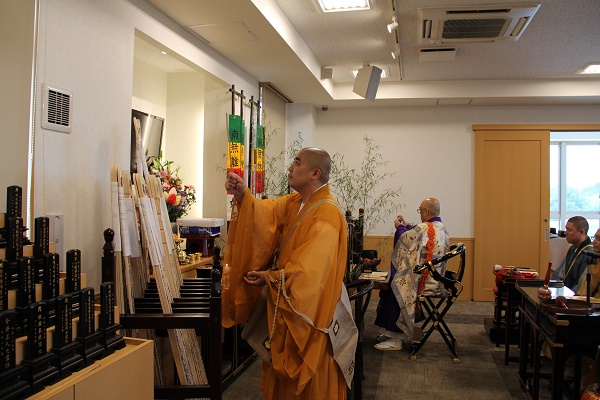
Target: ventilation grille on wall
<point>474,24</point>
<point>56,109</point>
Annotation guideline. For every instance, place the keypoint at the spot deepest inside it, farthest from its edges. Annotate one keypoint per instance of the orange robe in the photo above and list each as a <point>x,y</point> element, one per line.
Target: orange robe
<point>314,259</point>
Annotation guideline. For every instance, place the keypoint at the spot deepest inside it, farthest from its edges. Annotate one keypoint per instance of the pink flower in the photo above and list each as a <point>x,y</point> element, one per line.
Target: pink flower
<point>179,197</point>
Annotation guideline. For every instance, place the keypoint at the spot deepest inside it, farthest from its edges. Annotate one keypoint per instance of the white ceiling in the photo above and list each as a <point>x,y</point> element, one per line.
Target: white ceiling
<point>288,42</point>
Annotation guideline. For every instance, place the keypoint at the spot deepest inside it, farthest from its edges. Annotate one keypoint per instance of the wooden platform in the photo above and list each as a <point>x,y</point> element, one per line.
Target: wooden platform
<point>125,374</point>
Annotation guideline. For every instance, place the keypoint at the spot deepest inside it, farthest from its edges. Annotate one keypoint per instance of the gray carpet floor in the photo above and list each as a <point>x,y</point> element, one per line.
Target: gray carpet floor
<point>480,374</point>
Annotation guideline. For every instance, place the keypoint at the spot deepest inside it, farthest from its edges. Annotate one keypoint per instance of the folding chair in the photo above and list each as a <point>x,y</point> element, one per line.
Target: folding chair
<point>436,306</point>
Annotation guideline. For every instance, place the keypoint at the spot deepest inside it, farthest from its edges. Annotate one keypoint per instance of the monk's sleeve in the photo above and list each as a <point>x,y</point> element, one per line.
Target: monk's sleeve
<point>251,239</point>
<point>314,274</point>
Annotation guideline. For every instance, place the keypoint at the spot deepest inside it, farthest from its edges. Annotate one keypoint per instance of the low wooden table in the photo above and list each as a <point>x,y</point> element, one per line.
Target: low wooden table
<point>189,270</point>
<point>509,303</point>
<point>379,284</point>
<point>565,335</point>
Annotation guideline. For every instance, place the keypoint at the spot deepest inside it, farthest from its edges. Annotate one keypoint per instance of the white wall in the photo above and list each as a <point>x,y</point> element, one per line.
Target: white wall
<point>149,92</point>
<point>431,149</point>
<point>217,104</point>
<point>86,46</point>
<point>301,118</point>
<point>277,138</point>
<point>184,141</point>
<point>17,44</point>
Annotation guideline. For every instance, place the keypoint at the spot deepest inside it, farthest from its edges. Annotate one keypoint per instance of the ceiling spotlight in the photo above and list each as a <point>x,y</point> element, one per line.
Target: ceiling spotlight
<point>393,25</point>
<point>395,54</point>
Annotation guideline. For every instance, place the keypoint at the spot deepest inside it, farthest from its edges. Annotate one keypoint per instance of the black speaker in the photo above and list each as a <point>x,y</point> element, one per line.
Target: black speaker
<point>367,82</point>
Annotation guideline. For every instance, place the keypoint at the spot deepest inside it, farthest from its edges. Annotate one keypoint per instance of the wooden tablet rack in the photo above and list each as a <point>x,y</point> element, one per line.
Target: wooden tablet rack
<point>198,308</point>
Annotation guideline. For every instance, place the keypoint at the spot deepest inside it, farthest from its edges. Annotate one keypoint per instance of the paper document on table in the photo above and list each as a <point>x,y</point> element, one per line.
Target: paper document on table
<point>583,298</point>
<point>374,276</point>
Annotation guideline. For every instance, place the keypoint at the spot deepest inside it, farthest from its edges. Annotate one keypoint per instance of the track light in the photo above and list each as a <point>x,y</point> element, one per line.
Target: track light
<point>393,25</point>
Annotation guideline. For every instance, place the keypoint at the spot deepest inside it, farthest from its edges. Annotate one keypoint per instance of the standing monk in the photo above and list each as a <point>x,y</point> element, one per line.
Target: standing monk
<point>310,269</point>
<point>416,245</point>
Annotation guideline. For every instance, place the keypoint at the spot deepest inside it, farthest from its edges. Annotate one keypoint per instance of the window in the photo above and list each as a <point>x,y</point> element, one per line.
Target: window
<point>575,178</point>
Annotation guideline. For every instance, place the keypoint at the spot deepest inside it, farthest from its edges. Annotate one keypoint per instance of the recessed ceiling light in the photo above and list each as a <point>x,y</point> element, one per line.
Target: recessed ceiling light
<point>344,5</point>
<point>164,52</point>
<point>590,68</point>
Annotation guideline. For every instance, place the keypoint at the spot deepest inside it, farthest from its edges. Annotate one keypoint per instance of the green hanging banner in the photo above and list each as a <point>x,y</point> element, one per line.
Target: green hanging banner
<point>259,159</point>
<point>235,153</point>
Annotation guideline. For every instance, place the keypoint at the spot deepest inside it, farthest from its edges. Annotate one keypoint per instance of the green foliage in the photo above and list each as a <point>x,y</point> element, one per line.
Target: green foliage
<point>585,200</point>
<point>276,180</point>
<point>358,188</point>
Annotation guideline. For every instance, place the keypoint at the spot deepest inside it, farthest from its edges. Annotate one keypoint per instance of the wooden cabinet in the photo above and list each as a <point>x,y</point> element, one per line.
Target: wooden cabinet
<point>125,374</point>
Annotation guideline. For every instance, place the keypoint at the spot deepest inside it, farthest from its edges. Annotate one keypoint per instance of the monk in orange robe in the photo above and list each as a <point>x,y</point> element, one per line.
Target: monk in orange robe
<point>314,260</point>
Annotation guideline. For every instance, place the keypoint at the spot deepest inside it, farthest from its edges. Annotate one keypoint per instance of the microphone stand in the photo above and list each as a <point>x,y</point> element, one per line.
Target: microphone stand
<point>592,258</point>
<point>588,278</point>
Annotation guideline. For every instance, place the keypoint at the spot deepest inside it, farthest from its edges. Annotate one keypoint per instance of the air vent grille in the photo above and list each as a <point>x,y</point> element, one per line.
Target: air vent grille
<point>486,23</point>
<point>476,11</point>
<point>473,28</point>
<point>57,109</point>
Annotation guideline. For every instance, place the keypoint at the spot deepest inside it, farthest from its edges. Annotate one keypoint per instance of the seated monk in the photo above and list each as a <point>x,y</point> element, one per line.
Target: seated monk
<point>594,272</point>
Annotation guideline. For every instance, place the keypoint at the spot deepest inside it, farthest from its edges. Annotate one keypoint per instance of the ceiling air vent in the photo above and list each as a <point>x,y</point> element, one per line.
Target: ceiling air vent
<point>56,113</point>
<point>437,54</point>
<point>487,23</point>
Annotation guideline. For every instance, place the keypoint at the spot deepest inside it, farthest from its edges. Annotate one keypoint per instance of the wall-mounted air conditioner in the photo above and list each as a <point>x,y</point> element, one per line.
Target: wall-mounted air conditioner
<point>487,23</point>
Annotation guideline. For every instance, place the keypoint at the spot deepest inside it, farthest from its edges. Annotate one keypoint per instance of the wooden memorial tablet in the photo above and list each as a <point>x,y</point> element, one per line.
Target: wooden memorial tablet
<point>73,280</point>
<point>68,353</point>
<point>14,241</point>
<point>91,349</point>
<point>25,282</point>
<point>3,287</point>
<point>38,363</point>
<point>108,328</point>
<point>50,285</point>
<point>11,384</point>
<point>14,201</point>
<point>41,245</point>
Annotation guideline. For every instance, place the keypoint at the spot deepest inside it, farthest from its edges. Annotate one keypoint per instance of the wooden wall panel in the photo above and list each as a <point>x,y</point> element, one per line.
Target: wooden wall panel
<point>383,245</point>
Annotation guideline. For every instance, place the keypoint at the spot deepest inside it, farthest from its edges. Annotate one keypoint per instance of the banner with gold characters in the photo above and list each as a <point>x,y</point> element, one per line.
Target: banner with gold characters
<point>259,161</point>
<point>235,153</point>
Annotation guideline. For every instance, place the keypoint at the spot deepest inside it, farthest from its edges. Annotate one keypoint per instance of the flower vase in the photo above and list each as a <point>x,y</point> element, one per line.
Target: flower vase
<point>174,228</point>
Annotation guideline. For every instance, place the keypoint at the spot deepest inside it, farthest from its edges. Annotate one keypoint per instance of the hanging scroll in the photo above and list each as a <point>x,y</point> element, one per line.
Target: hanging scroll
<point>235,154</point>
<point>259,161</point>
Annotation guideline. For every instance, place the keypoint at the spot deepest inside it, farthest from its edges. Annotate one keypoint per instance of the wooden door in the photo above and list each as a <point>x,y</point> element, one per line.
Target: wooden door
<point>512,203</point>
